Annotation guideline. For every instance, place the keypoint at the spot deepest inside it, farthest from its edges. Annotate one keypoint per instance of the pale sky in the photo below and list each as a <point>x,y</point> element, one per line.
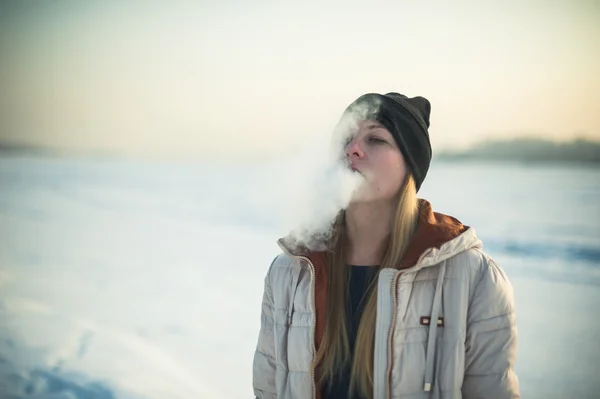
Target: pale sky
<point>250,78</point>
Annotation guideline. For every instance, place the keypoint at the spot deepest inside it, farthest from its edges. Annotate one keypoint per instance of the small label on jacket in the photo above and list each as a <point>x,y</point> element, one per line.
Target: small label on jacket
<point>425,321</point>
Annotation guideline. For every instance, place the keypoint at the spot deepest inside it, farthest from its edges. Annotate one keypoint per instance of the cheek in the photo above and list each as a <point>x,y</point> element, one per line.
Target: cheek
<point>392,184</point>
<point>401,172</point>
<point>399,166</point>
<point>386,175</point>
<point>394,176</point>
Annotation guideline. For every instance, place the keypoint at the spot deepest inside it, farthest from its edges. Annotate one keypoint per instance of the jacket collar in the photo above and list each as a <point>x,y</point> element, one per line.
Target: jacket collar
<point>437,237</point>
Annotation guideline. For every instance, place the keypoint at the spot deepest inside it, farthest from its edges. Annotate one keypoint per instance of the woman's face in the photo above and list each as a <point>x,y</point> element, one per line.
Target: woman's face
<point>373,152</point>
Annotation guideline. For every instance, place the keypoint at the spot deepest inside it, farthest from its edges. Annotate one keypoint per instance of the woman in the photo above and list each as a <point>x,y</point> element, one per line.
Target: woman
<point>403,303</point>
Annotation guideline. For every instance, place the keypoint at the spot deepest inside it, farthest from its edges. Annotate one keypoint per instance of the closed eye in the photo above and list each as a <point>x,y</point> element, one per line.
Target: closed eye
<point>377,140</point>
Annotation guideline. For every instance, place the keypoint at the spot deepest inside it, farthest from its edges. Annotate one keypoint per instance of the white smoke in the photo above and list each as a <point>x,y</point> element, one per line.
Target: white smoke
<point>318,184</point>
<point>320,191</point>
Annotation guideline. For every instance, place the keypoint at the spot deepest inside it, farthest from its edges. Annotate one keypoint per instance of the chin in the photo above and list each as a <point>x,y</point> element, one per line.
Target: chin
<point>368,197</point>
<point>362,198</point>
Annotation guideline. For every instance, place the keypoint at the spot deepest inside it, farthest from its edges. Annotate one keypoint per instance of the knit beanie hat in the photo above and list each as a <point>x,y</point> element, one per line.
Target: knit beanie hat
<point>407,119</point>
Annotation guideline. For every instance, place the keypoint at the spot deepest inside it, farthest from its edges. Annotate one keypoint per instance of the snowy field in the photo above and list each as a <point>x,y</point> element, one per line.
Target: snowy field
<point>130,279</point>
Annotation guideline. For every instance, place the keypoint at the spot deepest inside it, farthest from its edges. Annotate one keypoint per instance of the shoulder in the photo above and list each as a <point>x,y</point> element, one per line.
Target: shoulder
<point>480,269</point>
<point>280,263</point>
<point>282,268</point>
<point>491,294</point>
<point>282,260</point>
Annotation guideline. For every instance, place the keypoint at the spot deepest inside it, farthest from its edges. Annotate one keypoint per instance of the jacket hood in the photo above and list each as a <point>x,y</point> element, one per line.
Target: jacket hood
<point>437,237</point>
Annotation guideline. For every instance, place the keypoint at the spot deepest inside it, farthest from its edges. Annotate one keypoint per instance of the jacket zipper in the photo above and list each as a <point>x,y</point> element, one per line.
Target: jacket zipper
<point>388,371</point>
<point>314,318</point>
<point>388,389</point>
<point>394,285</point>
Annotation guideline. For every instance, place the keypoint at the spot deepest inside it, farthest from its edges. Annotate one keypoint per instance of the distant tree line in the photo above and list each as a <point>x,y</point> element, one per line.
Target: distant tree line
<point>529,150</point>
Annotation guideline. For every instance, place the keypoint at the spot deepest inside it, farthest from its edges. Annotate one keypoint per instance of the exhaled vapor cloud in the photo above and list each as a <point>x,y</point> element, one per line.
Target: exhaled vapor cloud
<point>320,184</point>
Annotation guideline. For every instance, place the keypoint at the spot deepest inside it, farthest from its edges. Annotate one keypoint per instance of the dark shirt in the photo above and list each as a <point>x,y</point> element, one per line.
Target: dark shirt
<point>359,279</point>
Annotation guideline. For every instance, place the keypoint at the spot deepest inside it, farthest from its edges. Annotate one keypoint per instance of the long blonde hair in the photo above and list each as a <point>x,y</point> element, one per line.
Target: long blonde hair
<point>334,351</point>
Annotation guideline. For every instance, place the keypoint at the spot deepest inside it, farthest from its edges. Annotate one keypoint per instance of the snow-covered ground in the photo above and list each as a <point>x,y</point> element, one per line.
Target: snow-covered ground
<point>123,279</point>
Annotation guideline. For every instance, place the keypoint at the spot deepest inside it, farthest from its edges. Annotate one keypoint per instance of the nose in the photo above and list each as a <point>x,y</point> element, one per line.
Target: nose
<point>354,150</point>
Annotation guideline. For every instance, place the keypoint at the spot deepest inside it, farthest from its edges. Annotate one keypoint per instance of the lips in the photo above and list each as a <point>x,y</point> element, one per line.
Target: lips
<point>354,169</point>
<point>351,165</point>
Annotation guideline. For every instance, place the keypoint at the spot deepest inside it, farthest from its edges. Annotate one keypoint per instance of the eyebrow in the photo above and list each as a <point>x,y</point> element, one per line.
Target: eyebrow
<point>374,126</point>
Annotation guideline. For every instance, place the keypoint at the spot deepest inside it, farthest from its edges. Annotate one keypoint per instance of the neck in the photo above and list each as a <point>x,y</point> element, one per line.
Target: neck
<point>368,227</point>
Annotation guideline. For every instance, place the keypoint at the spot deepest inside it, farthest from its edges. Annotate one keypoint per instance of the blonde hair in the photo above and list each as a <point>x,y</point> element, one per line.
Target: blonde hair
<point>334,351</point>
